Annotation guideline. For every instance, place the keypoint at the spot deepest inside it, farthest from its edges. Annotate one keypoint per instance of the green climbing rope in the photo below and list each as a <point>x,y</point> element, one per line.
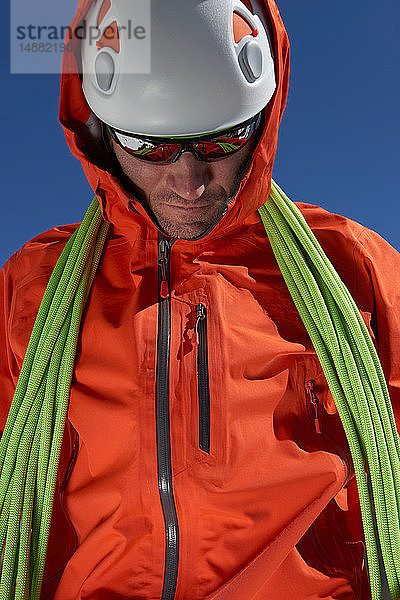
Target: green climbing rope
<point>354,375</point>
<point>31,442</point>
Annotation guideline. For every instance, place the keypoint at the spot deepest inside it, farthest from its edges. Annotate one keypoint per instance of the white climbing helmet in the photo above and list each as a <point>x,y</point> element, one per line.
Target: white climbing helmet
<point>212,66</point>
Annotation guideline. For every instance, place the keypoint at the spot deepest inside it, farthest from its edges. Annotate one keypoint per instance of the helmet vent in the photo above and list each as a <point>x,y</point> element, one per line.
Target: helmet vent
<point>105,69</point>
<point>241,28</point>
<point>251,61</point>
<point>110,38</point>
<point>105,7</point>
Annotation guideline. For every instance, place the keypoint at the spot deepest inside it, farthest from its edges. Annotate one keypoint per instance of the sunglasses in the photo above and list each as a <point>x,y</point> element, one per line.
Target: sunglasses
<point>210,147</point>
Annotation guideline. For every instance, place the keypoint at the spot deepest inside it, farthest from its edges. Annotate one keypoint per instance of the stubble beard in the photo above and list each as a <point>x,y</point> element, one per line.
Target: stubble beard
<point>190,228</point>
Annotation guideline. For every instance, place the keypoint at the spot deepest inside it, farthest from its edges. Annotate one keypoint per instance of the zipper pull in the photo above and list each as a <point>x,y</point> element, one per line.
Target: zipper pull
<point>200,314</point>
<point>72,459</point>
<point>162,262</point>
<point>315,402</point>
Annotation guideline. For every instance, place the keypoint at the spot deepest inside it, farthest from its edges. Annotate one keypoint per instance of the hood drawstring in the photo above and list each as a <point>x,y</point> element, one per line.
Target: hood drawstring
<point>31,441</point>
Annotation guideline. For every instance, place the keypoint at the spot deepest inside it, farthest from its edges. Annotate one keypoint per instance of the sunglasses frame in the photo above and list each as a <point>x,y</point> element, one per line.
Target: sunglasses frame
<point>187,143</point>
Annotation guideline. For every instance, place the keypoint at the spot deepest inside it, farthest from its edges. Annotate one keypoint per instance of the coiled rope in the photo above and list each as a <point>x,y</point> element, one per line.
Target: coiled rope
<point>354,375</point>
<point>31,442</point>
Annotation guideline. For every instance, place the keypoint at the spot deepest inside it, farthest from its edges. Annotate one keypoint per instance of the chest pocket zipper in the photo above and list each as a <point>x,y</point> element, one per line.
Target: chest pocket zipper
<point>314,401</point>
<point>72,459</point>
<point>203,384</point>
<point>314,409</point>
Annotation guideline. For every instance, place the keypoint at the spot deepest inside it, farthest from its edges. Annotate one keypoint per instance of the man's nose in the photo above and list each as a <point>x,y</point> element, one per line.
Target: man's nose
<point>188,177</point>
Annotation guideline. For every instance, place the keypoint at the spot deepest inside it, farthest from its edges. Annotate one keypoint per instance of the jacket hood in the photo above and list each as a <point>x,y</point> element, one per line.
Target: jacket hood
<point>120,207</point>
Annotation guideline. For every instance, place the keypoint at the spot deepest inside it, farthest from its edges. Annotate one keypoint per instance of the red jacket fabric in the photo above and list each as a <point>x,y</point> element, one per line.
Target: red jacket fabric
<point>194,465</point>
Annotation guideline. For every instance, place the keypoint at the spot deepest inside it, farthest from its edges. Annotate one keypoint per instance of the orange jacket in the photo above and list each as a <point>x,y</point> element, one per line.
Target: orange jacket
<point>204,457</point>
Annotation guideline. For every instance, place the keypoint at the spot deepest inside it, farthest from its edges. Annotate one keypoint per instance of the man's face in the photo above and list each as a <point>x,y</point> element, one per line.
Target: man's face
<point>187,196</point>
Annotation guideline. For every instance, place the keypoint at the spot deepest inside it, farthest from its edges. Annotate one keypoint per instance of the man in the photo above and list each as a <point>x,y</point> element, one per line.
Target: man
<point>204,456</point>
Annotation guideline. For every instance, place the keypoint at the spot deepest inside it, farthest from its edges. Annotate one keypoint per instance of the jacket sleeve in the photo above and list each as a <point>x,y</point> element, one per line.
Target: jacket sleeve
<point>378,290</point>
<point>9,369</point>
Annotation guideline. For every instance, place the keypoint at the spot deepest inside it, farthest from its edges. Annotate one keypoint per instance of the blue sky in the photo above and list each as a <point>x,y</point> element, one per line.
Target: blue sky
<point>339,140</point>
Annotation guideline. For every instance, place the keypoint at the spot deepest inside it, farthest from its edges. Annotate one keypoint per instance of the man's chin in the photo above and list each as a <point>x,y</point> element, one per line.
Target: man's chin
<point>188,226</point>
<point>185,231</point>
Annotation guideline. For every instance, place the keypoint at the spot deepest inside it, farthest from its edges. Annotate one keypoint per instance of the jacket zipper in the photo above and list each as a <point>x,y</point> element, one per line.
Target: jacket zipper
<point>163,421</point>
<point>203,377</point>
<point>72,459</point>
<point>315,402</point>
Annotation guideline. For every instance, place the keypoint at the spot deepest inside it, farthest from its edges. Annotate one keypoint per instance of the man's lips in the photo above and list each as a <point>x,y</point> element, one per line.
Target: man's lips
<point>188,208</point>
